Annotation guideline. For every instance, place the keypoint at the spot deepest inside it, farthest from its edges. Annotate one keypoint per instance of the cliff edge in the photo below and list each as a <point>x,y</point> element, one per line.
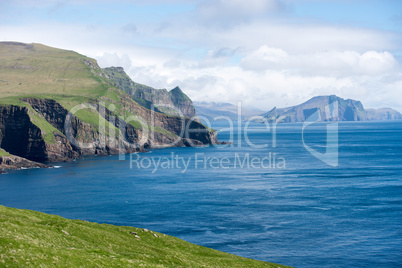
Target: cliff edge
<point>58,105</point>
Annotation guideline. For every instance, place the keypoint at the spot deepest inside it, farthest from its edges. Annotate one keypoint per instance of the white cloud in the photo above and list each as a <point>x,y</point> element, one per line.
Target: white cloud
<point>237,50</point>
<point>265,58</point>
<point>333,63</point>
<point>108,60</point>
<point>373,62</point>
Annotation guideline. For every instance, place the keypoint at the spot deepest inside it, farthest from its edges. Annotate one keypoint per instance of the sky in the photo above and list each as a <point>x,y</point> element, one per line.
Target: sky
<point>264,53</point>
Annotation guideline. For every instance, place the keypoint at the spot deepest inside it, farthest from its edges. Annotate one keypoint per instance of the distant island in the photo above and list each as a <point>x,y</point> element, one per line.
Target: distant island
<point>347,110</point>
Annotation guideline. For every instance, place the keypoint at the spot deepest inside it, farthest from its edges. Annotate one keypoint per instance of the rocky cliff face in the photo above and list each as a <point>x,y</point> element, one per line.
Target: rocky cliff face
<point>16,162</point>
<point>108,121</point>
<point>164,101</point>
<point>20,136</point>
<point>82,132</point>
<point>185,130</point>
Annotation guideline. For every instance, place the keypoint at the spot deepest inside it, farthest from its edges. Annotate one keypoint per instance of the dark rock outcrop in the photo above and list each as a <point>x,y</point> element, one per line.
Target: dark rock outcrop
<point>77,133</point>
<point>20,136</point>
<point>185,128</point>
<point>16,162</point>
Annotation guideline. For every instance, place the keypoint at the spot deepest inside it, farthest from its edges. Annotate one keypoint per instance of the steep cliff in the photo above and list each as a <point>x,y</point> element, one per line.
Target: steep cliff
<point>19,136</point>
<point>57,105</point>
<point>25,134</point>
<point>168,102</point>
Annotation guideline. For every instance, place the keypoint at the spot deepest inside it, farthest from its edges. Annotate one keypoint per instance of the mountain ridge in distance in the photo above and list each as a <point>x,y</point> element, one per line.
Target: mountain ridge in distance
<point>209,110</point>
<point>348,110</point>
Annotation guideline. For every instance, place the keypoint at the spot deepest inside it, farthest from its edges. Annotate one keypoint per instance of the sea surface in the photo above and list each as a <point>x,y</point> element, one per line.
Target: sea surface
<point>265,196</point>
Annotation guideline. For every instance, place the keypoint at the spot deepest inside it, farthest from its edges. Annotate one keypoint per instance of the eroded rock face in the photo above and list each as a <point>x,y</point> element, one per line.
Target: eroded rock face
<point>61,150</point>
<point>51,110</point>
<point>81,136</point>
<point>183,127</point>
<point>20,136</point>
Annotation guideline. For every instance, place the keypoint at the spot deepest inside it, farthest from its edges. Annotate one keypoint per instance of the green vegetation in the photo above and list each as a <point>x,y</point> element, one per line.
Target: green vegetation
<point>179,95</point>
<point>149,97</point>
<point>35,70</point>
<point>46,128</point>
<point>165,132</point>
<point>34,239</point>
<point>71,79</point>
<point>3,153</point>
<point>38,71</point>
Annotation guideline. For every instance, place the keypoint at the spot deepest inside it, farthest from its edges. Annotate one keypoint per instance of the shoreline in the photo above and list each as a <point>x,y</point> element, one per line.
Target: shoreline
<point>13,162</point>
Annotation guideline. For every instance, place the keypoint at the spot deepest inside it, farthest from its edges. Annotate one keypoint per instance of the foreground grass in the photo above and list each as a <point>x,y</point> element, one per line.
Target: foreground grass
<point>34,239</point>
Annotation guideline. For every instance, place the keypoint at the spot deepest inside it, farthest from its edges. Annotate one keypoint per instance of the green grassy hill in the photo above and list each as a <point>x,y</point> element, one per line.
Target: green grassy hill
<point>32,69</point>
<point>39,85</point>
<point>39,71</point>
<point>36,70</point>
<point>34,239</point>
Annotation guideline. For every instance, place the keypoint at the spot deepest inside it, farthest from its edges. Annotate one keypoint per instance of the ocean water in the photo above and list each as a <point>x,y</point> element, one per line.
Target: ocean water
<point>263,197</point>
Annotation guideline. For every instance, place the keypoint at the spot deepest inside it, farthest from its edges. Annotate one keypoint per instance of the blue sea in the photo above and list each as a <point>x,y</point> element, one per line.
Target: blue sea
<point>265,196</point>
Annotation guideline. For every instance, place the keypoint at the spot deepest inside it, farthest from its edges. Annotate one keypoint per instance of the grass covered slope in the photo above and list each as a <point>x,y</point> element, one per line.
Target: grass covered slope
<point>3,153</point>
<point>37,69</point>
<point>33,239</point>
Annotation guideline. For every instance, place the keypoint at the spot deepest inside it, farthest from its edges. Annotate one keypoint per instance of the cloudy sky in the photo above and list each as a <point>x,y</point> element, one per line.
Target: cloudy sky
<point>263,52</point>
